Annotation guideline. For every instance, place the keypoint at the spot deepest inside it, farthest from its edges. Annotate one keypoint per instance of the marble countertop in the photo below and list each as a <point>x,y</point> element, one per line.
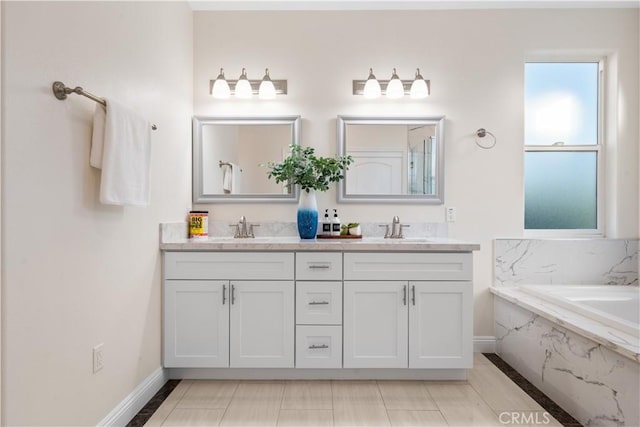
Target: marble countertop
<point>620,342</point>
<point>410,244</point>
<point>173,238</point>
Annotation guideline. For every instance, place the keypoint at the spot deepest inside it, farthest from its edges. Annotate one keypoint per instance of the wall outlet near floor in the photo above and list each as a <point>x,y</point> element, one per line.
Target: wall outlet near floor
<point>98,358</point>
<point>450,214</point>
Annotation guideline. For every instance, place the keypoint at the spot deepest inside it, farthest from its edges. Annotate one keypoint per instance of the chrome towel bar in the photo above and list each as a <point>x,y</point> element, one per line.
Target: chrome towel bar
<point>60,91</point>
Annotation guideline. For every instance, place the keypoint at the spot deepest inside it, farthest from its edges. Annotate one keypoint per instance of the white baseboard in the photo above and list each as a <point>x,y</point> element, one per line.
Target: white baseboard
<point>484,344</point>
<point>131,405</point>
<point>317,374</point>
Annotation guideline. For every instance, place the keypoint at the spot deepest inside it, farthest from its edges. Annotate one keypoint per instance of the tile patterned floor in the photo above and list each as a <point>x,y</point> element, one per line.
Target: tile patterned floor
<point>487,398</point>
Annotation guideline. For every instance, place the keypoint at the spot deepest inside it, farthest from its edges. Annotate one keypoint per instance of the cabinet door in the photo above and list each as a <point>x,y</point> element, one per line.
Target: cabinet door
<point>440,324</point>
<point>375,324</point>
<point>262,324</point>
<point>196,324</point>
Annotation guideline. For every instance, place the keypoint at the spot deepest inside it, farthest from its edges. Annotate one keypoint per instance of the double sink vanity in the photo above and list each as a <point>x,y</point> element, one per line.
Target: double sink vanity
<point>283,307</point>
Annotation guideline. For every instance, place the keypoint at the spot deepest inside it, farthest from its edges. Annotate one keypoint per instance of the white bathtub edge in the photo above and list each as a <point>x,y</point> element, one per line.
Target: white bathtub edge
<point>617,341</point>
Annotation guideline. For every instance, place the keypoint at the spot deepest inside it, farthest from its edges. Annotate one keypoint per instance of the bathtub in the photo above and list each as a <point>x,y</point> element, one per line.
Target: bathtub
<point>578,344</point>
<point>615,306</point>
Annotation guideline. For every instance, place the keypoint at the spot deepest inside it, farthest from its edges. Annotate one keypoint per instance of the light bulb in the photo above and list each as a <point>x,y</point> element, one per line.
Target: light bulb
<point>243,87</point>
<point>220,87</point>
<point>372,87</point>
<point>395,89</point>
<point>267,90</point>
<point>419,88</point>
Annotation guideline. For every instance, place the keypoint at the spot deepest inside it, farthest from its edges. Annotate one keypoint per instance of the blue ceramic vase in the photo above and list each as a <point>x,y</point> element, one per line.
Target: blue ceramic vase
<point>307,214</point>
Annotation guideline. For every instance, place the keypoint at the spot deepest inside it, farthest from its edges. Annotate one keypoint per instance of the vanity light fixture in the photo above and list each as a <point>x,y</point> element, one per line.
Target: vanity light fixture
<point>220,88</point>
<point>243,88</point>
<point>419,87</point>
<point>394,88</point>
<point>372,86</point>
<point>267,90</point>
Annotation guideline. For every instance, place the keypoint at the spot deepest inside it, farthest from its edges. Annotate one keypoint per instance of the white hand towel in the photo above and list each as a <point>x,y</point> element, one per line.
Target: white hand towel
<point>231,178</point>
<point>97,139</point>
<point>125,156</point>
<point>227,177</point>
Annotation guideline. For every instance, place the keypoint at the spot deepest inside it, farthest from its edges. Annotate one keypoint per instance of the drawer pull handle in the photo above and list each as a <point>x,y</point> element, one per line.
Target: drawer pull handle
<point>319,303</point>
<point>322,266</point>
<point>314,347</point>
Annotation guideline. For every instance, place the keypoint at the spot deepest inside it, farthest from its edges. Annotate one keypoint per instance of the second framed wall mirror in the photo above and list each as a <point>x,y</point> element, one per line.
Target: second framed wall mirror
<point>396,160</point>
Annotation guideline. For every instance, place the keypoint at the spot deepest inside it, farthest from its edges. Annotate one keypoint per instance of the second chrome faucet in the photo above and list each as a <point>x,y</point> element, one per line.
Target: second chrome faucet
<point>396,229</point>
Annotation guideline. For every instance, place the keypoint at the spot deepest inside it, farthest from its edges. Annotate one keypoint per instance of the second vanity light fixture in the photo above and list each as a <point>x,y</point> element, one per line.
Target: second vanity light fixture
<point>393,88</point>
<point>243,88</point>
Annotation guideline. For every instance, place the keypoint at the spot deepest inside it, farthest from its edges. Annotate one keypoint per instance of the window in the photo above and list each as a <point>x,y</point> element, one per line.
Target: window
<point>562,146</point>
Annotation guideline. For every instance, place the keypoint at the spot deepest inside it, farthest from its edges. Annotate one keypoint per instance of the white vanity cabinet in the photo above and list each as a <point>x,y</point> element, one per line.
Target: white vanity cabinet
<point>228,309</point>
<point>408,310</point>
<point>374,312</point>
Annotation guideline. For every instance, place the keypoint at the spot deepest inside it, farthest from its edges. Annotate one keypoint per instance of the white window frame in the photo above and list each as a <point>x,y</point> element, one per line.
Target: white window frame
<point>598,149</point>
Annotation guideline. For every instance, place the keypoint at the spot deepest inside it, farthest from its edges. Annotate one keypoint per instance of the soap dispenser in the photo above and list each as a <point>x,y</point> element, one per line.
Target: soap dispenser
<point>335,224</point>
<point>326,224</point>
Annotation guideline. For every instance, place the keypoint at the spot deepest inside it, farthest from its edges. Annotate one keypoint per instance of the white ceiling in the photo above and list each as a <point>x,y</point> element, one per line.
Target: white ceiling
<point>406,4</point>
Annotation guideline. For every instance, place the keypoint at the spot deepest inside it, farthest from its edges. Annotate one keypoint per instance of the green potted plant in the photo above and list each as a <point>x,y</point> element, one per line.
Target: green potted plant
<point>301,167</point>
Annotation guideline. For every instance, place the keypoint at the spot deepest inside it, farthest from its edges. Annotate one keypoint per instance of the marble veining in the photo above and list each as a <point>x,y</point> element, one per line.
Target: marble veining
<point>566,261</point>
<point>592,382</point>
<point>617,341</point>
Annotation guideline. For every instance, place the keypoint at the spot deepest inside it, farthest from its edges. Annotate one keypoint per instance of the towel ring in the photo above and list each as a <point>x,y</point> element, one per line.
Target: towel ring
<point>481,134</point>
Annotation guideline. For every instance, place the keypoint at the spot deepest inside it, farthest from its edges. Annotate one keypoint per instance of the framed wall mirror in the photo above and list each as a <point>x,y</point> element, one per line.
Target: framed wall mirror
<point>396,160</point>
<point>229,154</point>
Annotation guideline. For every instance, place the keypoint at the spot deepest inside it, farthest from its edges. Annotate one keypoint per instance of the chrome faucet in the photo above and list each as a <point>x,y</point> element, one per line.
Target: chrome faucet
<point>395,225</point>
<point>395,232</point>
<point>242,229</point>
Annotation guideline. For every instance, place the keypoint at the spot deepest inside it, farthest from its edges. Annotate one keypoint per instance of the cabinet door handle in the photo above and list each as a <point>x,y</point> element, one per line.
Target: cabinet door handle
<point>224,294</point>
<point>316,266</point>
<point>404,295</point>
<point>233,294</point>
<point>313,347</point>
<point>319,303</point>
<point>413,294</point>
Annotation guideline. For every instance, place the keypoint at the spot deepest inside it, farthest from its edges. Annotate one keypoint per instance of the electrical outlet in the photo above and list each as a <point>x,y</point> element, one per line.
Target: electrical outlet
<point>450,214</point>
<point>98,358</point>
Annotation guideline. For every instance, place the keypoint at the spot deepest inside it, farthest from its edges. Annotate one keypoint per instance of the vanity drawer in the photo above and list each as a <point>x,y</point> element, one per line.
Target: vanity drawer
<point>319,266</point>
<point>318,346</point>
<point>319,303</point>
<point>229,266</point>
<point>408,266</point>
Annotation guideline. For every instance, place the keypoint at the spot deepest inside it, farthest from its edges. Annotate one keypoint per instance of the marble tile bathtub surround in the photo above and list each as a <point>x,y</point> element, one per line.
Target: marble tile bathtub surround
<point>175,231</point>
<point>565,261</point>
<point>595,385</point>
<point>612,338</point>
